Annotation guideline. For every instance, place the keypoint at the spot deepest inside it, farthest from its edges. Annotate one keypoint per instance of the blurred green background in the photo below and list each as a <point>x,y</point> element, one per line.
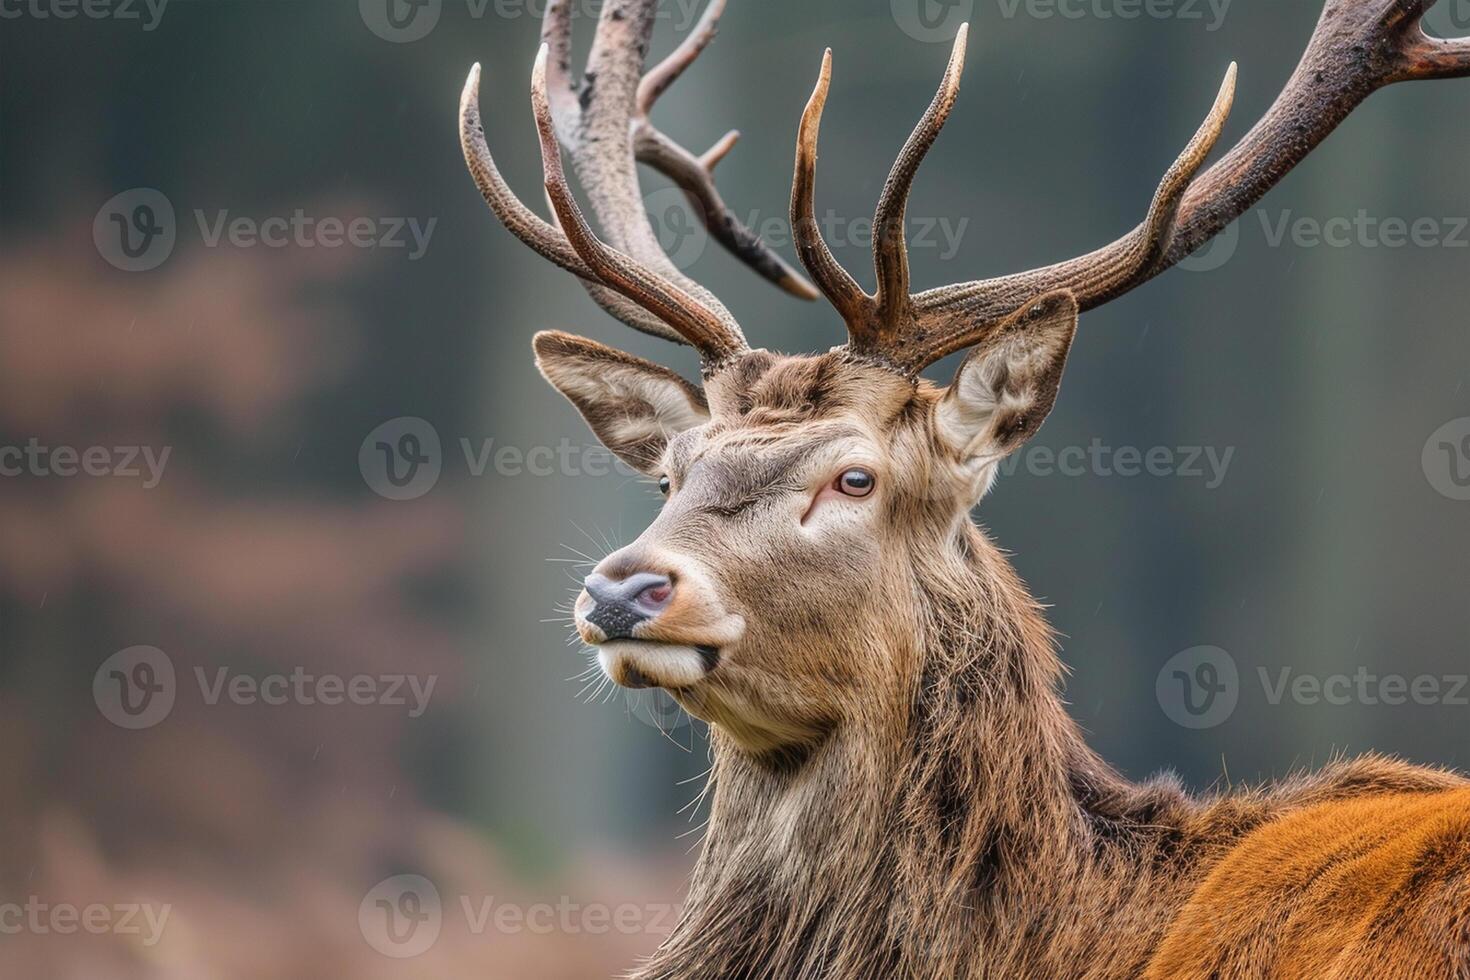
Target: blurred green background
<point>1326,378</point>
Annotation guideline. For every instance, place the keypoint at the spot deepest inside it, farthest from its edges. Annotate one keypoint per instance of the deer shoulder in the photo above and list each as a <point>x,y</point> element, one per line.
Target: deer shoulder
<point>1374,886</point>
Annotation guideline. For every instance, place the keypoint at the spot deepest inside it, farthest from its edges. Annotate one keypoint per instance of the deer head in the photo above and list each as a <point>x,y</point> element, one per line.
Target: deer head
<point>816,522</point>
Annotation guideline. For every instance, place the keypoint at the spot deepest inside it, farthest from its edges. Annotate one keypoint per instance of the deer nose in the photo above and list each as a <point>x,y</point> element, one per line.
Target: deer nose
<point>622,604</point>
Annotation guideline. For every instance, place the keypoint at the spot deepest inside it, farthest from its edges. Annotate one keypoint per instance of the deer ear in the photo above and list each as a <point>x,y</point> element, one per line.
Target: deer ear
<point>1007,386</point>
<point>633,405</point>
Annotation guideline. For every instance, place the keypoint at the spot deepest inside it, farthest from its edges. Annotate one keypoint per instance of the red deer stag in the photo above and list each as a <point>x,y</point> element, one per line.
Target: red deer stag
<point>897,788</point>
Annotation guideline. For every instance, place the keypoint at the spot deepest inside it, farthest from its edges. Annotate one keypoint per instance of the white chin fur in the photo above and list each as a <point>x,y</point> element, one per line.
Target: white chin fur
<point>664,665</point>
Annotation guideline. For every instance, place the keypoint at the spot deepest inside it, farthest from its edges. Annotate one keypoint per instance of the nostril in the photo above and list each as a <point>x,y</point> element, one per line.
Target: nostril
<point>621,604</point>
<point>656,596</point>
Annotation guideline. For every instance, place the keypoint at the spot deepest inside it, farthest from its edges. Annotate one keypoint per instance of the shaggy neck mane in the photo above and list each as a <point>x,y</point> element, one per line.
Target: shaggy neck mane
<point>966,832</point>
<point>866,855</point>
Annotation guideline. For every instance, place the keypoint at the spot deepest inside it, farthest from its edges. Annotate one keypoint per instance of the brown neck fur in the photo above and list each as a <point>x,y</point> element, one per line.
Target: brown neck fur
<point>964,830</point>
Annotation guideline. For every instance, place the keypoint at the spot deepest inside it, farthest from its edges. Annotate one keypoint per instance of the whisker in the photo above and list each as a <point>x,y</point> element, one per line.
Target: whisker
<point>580,554</point>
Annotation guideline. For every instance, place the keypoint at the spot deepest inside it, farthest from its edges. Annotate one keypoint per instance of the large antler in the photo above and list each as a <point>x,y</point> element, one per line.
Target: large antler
<point>606,129</point>
<point>1359,46</point>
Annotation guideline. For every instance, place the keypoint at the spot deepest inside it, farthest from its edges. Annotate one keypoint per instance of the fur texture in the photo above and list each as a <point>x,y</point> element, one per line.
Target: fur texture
<point>898,791</point>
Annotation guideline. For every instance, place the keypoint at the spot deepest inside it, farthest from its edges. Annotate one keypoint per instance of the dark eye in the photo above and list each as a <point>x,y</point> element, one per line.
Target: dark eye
<point>663,485</point>
<point>856,483</point>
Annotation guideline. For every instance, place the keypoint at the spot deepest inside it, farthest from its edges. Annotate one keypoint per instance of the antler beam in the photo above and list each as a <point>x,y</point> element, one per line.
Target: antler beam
<point>1358,47</point>
<point>947,326</point>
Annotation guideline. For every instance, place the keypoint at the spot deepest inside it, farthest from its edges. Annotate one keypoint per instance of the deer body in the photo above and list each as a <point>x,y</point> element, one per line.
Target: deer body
<point>957,825</point>
<point>898,790</point>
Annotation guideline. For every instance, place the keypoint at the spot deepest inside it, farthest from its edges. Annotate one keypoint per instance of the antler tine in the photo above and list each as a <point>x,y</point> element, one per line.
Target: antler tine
<point>1427,58</point>
<point>556,34</point>
<point>1104,272</point>
<point>610,118</point>
<point>890,247</point>
<point>713,336</point>
<point>840,288</point>
<point>694,175</point>
<point>667,72</point>
<point>519,220</point>
<point>1358,47</point>
<point>711,158</point>
<point>544,238</point>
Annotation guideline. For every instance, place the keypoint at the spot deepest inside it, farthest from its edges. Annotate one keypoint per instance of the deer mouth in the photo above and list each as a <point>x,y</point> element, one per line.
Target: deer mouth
<point>640,664</point>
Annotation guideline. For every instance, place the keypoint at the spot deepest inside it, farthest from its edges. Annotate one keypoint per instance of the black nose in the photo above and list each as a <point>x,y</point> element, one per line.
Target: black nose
<point>624,603</point>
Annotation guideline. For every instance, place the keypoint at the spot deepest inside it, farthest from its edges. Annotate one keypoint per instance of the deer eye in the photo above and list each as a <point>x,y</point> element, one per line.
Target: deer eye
<point>663,485</point>
<point>856,483</point>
